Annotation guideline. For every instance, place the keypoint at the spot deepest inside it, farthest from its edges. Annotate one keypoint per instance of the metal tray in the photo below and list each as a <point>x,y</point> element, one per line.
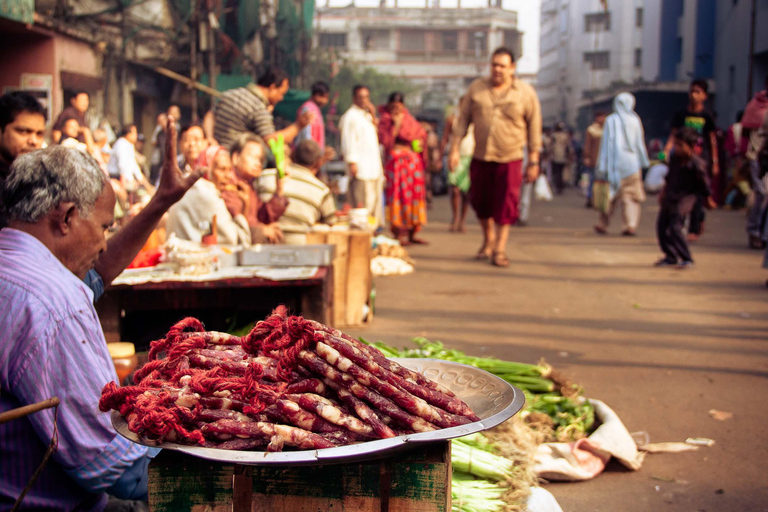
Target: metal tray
<point>318,255</point>
<point>491,398</point>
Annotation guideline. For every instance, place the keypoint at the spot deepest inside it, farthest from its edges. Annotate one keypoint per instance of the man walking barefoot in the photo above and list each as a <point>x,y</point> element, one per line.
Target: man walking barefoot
<point>507,117</point>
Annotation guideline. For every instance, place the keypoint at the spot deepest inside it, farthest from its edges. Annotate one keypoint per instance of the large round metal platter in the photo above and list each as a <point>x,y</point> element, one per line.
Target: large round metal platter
<point>491,398</point>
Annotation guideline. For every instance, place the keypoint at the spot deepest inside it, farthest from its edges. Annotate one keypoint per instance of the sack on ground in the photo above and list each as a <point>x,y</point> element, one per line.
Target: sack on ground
<point>541,189</point>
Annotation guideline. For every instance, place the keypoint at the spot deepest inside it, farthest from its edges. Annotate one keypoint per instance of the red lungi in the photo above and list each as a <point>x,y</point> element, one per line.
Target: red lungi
<point>494,189</point>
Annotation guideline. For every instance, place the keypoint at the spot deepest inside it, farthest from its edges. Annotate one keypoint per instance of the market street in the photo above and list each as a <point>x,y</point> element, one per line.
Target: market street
<point>662,347</point>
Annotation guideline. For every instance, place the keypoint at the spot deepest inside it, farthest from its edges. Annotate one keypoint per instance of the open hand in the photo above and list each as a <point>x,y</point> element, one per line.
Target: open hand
<point>532,172</point>
<point>173,183</point>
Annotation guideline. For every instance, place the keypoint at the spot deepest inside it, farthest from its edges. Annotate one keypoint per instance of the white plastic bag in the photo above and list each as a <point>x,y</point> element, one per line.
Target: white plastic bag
<point>541,189</point>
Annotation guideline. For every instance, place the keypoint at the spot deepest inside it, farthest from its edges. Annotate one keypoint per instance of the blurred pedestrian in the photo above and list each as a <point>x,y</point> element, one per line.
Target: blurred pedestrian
<point>686,184</point>
<point>562,154</point>
<point>507,117</point>
<point>404,140</point>
<point>158,146</point>
<point>360,149</point>
<point>696,116</point>
<point>622,157</point>
<point>754,120</point>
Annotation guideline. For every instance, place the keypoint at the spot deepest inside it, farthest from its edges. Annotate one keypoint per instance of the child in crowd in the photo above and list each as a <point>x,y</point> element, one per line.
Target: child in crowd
<point>686,183</point>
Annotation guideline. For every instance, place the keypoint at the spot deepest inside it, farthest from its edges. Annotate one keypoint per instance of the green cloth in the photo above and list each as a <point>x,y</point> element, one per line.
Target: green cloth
<point>460,177</point>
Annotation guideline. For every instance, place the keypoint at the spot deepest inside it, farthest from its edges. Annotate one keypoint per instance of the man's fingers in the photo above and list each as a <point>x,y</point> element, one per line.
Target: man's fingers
<point>170,140</point>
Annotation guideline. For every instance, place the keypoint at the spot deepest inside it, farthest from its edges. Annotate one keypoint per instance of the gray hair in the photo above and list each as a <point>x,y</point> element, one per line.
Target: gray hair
<point>40,181</point>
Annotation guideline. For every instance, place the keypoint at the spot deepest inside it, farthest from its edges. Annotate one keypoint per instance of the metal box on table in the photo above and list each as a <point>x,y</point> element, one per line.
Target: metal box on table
<point>320,255</point>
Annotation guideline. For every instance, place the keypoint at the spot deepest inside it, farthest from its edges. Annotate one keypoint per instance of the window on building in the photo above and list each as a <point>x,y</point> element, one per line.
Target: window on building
<point>639,17</point>
<point>412,40</point>
<point>448,41</point>
<point>478,41</point>
<point>375,39</point>
<point>598,60</point>
<point>333,40</point>
<point>638,57</point>
<point>597,22</point>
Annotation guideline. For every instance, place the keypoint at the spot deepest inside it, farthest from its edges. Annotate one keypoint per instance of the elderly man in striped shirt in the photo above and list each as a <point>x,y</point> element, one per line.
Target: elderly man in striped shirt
<point>310,200</point>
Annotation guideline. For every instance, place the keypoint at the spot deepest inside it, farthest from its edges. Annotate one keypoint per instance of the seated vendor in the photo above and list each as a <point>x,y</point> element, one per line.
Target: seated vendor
<point>59,205</point>
<point>216,196</point>
<point>248,158</point>
<point>310,200</point>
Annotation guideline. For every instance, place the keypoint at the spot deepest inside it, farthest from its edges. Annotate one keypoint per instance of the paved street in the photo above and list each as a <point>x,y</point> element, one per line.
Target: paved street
<point>660,346</point>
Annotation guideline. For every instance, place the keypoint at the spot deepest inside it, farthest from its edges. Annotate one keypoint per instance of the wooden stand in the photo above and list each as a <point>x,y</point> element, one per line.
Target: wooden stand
<point>352,279</point>
<point>418,480</point>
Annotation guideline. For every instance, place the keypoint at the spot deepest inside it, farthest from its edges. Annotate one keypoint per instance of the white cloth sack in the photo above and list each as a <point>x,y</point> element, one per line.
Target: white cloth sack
<point>541,500</point>
<point>586,458</point>
<point>541,189</point>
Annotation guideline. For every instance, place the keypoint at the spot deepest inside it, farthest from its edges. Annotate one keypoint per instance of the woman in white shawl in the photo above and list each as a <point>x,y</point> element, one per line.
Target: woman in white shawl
<point>622,157</point>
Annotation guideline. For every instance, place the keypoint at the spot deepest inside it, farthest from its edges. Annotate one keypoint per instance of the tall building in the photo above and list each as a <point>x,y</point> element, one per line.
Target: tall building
<point>741,60</point>
<point>593,49</point>
<point>440,49</point>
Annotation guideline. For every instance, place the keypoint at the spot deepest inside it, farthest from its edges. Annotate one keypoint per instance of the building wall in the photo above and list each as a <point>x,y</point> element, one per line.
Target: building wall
<point>732,59</point>
<point>674,42</point>
<point>565,82</point>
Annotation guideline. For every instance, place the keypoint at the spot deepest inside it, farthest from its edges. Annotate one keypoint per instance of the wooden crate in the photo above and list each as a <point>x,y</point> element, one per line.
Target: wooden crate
<point>352,279</point>
<point>418,480</point>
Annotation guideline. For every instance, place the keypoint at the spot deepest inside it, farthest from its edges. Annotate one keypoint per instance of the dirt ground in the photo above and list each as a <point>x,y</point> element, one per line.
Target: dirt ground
<point>662,347</point>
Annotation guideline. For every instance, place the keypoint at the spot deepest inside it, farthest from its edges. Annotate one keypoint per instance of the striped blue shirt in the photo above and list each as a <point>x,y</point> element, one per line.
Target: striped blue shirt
<point>51,344</point>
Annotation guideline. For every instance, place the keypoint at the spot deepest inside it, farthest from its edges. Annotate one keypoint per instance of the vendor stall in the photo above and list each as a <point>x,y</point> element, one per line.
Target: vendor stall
<point>298,416</point>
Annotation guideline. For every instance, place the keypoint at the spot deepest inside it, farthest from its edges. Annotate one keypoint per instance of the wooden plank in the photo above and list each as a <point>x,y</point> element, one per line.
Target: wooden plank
<point>358,276</point>
<point>340,239</point>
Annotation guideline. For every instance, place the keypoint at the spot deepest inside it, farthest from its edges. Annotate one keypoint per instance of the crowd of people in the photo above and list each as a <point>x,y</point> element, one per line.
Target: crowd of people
<point>236,179</point>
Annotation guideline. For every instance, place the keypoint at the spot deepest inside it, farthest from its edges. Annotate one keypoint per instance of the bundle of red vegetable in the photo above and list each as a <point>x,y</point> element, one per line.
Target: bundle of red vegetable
<point>289,382</point>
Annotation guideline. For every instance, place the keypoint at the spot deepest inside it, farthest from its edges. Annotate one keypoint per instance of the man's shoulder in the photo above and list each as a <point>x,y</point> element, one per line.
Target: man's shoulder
<point>479,84</point>
<point>525,87</point>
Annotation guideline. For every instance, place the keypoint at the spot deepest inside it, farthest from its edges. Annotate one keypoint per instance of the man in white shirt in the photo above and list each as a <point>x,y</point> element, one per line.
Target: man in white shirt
<point>122,163</point>
<point>360,149</point>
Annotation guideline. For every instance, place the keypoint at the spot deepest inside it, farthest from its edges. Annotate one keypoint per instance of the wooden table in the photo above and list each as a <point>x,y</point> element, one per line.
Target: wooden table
<point>143,312</point>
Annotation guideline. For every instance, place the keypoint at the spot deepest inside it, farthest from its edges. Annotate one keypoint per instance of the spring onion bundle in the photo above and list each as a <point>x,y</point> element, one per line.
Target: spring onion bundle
<point>480,463</point>
<point>476,496</point>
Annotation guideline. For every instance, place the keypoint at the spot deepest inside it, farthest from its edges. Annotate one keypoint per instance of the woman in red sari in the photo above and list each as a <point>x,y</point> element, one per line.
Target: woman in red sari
<point>404,140</point>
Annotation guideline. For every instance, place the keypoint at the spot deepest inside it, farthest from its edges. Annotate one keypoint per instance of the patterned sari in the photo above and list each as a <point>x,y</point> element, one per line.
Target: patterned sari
<point>404,171</point>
